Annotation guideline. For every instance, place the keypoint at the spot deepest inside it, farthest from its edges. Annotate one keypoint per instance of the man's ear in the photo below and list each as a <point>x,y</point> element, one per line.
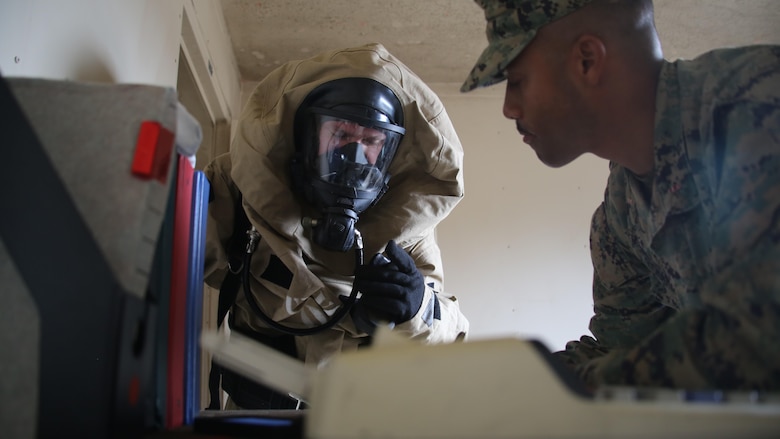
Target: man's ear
<point>587,59</point>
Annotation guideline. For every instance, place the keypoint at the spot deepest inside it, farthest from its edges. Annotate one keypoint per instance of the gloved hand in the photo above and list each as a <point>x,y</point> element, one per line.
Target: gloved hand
<point>392,288</point>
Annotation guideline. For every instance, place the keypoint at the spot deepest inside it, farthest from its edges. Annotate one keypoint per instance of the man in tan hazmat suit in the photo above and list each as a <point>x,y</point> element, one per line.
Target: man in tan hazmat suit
<point>348,147</point>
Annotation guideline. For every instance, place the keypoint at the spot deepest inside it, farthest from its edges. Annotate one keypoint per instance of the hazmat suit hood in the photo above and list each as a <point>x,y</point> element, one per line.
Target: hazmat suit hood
<point>426,178</point>
<point>295,280</point>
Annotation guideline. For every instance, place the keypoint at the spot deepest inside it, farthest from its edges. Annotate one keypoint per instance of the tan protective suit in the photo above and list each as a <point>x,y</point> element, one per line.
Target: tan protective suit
<point>426,184</point>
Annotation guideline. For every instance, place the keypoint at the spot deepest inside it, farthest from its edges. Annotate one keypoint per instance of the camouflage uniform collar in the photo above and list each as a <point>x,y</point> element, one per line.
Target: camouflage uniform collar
<point>673,187</point>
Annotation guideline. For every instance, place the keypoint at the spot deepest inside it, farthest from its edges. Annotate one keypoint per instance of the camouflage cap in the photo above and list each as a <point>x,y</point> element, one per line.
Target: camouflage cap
<point>511,25</point>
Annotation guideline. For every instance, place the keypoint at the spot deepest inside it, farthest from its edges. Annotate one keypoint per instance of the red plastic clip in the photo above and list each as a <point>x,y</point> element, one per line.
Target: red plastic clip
<point>152,151</point>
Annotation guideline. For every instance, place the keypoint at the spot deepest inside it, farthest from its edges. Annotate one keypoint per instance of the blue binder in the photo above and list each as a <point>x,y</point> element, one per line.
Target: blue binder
<point>192,351</point>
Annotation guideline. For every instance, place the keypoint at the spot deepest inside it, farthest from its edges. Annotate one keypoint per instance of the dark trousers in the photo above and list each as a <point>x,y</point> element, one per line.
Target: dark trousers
<point>248,394</point>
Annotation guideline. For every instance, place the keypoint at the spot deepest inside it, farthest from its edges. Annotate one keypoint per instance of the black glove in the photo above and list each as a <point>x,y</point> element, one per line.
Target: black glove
<point>392,287</point>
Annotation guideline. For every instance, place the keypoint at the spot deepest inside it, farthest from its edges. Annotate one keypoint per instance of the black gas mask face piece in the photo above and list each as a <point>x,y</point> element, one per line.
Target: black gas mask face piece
<point>347,132</point>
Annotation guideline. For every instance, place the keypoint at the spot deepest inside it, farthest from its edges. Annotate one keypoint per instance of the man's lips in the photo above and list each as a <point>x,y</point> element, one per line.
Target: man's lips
<point>521,130</point>
<point>527,135</point>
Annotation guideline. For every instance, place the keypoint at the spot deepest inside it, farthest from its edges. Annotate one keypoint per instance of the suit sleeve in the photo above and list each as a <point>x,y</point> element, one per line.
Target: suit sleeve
<point>439,319</point>
<point>219,227</point>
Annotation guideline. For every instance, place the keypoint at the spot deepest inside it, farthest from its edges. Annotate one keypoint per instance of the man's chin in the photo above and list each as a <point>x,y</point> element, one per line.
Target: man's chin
<point>554,161</point>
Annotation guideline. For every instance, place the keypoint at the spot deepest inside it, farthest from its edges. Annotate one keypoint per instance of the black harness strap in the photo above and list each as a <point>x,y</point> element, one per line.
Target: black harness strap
<point>228,290</point>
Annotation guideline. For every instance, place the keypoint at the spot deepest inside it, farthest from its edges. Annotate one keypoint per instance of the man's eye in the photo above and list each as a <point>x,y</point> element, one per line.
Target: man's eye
<point>373,143</point>
<point>515,81</point>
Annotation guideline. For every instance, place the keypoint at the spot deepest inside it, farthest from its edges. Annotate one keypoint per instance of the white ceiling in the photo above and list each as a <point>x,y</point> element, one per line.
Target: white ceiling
<point>441,39</point>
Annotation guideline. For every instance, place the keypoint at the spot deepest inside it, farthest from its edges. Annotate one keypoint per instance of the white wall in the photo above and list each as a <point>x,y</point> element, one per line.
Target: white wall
<point>91,40</point>
<point>516,249</point>
<point>117,41</point>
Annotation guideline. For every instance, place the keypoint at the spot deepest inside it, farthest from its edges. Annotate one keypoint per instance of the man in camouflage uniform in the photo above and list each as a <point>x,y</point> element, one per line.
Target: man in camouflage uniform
<point>686,245</point>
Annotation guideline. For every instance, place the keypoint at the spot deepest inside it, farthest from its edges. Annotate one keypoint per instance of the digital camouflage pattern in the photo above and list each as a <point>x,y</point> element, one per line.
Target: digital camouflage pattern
<point>511,25</point>
<point>687,266</point>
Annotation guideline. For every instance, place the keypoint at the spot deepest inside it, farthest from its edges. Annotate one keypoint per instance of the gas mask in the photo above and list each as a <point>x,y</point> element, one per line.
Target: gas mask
<point>347,132</point>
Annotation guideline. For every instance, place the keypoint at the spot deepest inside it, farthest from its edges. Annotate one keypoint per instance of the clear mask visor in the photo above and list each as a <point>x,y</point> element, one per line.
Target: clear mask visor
<point>351,154</point>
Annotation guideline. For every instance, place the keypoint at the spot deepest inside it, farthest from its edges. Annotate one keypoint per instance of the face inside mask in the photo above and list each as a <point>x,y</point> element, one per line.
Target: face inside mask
<point>350,154</point>
<point>348,174</point>
<point>347,133</point>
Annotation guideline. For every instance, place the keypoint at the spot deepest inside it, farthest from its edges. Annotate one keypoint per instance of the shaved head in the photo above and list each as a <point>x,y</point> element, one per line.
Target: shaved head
<point>626,27</point>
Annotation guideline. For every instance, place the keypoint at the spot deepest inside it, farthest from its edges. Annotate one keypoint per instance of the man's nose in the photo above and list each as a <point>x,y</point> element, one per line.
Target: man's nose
<point>512,108</point>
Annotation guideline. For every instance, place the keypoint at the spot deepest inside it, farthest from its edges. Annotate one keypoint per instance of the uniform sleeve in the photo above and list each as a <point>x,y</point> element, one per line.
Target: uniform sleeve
<point>727,335</point>
<point>439,319</point>
<point>625,311</point>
